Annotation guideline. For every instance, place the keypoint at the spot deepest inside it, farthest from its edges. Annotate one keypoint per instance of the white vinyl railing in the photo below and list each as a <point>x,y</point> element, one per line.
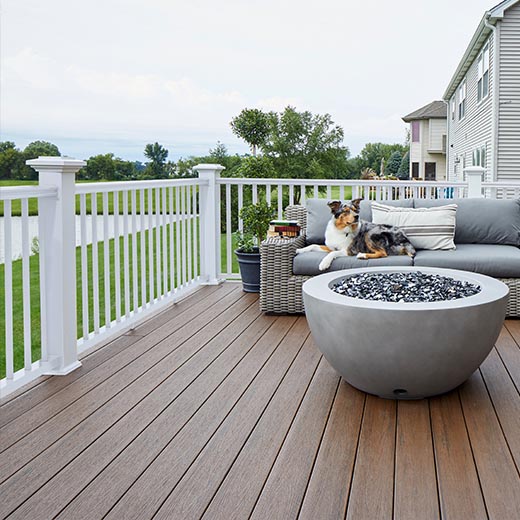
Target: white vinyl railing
<point>111,254</point>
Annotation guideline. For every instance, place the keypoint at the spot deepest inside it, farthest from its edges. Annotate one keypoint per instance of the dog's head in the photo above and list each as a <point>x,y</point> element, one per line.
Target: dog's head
<point>345,215</point>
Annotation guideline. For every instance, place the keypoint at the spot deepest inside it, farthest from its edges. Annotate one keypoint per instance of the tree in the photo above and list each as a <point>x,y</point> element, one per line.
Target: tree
<point>156,167</point>
<point>11,160</point>
<point>253,126</point>
<point>404,169</point>
<point>33,151</point>
<point>256,167</point>
<point>372,153</point>
<point>393,163</point>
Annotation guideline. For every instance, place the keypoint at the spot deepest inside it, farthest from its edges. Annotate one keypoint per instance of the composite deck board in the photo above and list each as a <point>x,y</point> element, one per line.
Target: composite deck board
<point>460,495</point>
<point>212,409</point>
<point>111,377</point>
<point>129,384</point>
<point>416,493</point>
<point>329,485</point>
<point>12,405</point>
<point>42,468</point>
<point>374,462</point>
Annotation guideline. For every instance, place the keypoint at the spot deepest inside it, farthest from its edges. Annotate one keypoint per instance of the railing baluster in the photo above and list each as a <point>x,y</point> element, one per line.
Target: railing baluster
<point>329,192</point>
<point>126,255</point>
<point>172,239</point>
<point>342,192</point>
<point>134,251</point>
<point>26,279</point>
<point>95,264</point>
<point>164,243</point>
<point>117,257</point>
<point>240,206</point>
<point>195,235</point>
<point>268,194</point>
<point>291,195</point>
<point>8,296</point>
<point>228,229</point>
<point>280,201</point>
<point>150,247</point>
<point>142,243</point>
<point>315,191</point>
<point>158,242</point>
<point>255,194</point>
<point>303,194</point>
<point>183,241</point>
<point>84,265</point>
<point>190,243</point>
<point>106,260</point>
<point>178,236</point>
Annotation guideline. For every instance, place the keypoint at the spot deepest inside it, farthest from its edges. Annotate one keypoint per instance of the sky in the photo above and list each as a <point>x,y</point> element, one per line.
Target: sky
<point>109,76</point>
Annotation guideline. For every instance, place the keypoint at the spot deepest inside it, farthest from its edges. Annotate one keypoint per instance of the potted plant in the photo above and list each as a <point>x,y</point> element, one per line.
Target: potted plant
<point>256,218</point>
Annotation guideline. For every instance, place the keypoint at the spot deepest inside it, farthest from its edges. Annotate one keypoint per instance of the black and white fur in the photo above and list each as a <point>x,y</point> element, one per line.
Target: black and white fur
<point>347,235</point>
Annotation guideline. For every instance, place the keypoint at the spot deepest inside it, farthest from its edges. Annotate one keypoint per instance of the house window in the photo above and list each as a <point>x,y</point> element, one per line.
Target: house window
<point>415,170</point>
<point>430,171</point>
<point>415,131</point>
<point>479,157</point>
<point>483,74</point>
<point>461,95</point>
<point>453,109</point>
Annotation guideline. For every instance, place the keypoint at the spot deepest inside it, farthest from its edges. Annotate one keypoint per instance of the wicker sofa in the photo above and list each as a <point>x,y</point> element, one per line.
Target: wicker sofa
<point>487,237</point>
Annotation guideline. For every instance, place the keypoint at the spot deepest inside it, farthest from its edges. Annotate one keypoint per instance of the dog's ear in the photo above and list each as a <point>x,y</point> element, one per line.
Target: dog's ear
<point>355,204</point>
<point>334,206</point>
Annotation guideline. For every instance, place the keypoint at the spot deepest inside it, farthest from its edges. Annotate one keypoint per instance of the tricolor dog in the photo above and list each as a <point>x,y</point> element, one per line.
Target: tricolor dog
<point>347,235</point>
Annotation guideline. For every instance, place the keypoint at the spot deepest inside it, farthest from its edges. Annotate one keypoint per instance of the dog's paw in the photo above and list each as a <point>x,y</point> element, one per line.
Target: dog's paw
<point>324,264</point>
<point>361,256</point>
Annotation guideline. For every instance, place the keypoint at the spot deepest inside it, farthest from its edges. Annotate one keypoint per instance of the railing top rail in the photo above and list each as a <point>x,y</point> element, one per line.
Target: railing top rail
<point>501,184</point>
<point>26,192</point>
<point>101,187</point>
<point>339,182</point>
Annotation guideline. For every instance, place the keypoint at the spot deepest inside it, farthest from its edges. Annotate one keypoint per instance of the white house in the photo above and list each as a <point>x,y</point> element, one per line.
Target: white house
<point>483,99</point>
<point>428,142</point>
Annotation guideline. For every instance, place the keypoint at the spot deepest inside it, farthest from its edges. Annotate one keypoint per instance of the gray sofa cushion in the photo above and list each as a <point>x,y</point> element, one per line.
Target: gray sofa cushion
<point>318,216</point>
<point>482,221</point>
<point>306,264</point>
<point>498,261</point>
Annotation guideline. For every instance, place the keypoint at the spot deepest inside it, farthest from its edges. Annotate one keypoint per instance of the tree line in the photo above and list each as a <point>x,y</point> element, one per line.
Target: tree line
<point>289,144</point>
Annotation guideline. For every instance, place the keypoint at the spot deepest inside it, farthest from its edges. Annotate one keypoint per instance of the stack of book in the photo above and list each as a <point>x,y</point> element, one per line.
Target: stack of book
<point>284,228</point>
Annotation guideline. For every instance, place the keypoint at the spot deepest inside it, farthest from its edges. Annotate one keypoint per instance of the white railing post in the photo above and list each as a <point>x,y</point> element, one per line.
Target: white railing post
<point>474,176</point>
<point>57,240</point>
<point>210,222</point>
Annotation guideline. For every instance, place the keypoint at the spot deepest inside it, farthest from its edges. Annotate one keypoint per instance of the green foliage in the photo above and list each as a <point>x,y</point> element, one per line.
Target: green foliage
<point>393,163</point>
<point>372,153</point>
<point>253,126</point>
<point>11,161</point>
<point>256,167</point>
<point>106,167</point>
<point>303,145</point>
<point>33,151</point>
<point>404,168</point>
<point>256,218</point>
<point>157,154</point>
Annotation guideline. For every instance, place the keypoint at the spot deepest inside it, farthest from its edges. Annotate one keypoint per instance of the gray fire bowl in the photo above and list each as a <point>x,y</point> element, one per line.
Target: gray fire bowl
<point>405,350</point>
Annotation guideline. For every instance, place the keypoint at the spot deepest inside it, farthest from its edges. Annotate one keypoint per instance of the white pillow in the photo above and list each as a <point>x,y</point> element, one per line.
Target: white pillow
<point>426,228</point>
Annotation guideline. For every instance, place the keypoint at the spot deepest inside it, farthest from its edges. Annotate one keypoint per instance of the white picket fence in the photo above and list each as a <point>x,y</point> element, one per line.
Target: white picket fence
<point>143,245</point>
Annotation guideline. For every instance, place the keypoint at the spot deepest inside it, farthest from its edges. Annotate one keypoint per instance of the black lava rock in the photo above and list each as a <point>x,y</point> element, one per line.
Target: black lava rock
<point>405,287</point>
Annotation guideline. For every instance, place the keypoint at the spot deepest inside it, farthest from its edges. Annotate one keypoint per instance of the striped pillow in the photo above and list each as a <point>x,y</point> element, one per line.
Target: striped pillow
<point>426,228</point>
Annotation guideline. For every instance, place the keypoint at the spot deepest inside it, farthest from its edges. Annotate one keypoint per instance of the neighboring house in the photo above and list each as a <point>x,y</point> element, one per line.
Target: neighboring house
<point>484,99</point>
<point>428,142</point>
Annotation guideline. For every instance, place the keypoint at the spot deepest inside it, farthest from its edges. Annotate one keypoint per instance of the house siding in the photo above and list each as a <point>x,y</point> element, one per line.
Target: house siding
<point>508,157</point>
<point>475,130</point>
<point>429,128</point>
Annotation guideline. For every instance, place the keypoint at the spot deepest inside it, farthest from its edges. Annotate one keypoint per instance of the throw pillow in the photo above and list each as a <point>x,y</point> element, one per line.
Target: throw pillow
<point>426,228</point>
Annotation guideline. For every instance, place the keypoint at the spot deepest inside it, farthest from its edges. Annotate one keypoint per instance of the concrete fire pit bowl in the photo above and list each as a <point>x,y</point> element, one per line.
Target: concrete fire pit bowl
<point>405,350</point>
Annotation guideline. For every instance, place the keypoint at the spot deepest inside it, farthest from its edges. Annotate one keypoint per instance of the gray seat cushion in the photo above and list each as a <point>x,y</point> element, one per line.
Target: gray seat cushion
<point>497,261</point>
<point>318,216</point>
<point>482,221</point>
<point>306,264</point>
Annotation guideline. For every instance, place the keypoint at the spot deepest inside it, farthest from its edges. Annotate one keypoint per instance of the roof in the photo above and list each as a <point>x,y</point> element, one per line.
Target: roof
<point>433,110</point>
<point>476,43</point>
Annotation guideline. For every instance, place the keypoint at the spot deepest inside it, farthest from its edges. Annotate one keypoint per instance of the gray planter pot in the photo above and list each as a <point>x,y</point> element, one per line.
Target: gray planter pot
<point>249,264</point>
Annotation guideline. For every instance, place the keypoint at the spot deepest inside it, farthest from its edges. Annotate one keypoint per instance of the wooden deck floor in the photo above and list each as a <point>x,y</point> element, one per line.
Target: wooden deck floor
<point>212,410</point>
